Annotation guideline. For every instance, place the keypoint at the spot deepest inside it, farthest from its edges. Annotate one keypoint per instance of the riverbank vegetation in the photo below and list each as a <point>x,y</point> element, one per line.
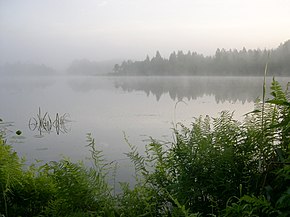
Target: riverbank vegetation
<point>216,167</point>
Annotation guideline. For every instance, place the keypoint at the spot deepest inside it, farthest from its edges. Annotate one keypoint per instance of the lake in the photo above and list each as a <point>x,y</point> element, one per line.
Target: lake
<point>109,107</point>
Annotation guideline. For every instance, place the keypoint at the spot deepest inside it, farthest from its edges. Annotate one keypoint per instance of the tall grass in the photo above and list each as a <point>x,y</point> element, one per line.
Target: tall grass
<point>216,167</point>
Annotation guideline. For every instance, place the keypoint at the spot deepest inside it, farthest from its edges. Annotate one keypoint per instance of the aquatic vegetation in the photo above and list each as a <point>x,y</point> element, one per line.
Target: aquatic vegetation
<point>43,123</point>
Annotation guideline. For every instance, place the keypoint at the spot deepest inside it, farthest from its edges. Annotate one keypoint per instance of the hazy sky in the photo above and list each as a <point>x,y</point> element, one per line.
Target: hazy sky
<point>55,32</point>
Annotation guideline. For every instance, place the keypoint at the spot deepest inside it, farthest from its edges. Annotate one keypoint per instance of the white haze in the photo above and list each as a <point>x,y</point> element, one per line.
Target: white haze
<point>55,32</point>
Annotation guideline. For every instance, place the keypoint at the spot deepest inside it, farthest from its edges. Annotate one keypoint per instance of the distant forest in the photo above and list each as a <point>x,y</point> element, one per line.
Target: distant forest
<point>225,62</point>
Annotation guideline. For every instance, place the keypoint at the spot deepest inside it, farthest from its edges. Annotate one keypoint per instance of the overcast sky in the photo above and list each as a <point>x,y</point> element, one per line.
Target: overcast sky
<point>55,32</point>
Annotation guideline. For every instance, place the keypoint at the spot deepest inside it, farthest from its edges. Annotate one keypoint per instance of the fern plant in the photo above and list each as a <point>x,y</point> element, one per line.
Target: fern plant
<point>271,148</point>
<point>10,174</point>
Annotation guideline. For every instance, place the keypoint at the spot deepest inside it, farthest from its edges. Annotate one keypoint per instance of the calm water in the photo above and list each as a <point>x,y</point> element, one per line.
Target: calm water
<point>108,107</point>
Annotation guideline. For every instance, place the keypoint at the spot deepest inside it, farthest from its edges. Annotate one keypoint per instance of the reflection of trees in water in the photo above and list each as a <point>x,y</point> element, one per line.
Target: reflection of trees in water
<point>230,89</point>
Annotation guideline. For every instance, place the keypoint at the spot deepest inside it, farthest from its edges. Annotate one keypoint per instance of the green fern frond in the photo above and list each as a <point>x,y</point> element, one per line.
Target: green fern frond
<point>277,91</point>
<point>137,159</point>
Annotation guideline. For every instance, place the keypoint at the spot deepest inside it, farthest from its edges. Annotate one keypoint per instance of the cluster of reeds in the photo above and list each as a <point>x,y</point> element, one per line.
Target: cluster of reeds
<point>43,123</point>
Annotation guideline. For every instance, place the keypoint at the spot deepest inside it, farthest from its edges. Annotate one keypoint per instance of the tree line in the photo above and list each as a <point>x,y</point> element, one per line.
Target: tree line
<point>225,62</point>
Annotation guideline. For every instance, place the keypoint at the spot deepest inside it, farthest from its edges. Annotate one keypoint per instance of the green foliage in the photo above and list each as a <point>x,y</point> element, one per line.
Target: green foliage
<point>60,188</point>
<point>274,159</point>
<point>137,159</point>
<point>202,169</point>
<point>251,206</point>
<point>10,174</point>
<point>139,201</point>
<point>80,189</point>
<point>32,194</point>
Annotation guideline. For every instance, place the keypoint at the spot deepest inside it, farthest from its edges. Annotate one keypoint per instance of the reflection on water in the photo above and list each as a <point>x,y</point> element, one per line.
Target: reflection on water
<point>91,83</point>
<point>43,123</point>
<point>232,89</point>
<point>22,83</point>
